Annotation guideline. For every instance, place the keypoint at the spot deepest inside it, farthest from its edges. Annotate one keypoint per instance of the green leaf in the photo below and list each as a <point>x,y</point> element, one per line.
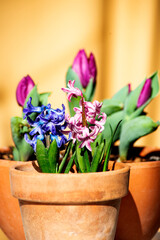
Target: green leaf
<point>43,98</point>
<point>35,100</point>
<point>108,152</point>
<point>53,155</point>
<point>96,143</point>
<point>80,158</point>
<point>42,157</point>
<point>121,95</point>
<point>71,75</point>
<point>111,106</point>
<point>69,146</point>
<point>16,155</point>
<point>23,150</point>
<point>112,121</point>
<point>96,158</point>
<point>133,130</point>
<point>89,92</point>
<point>69,165</point>
<point>131,101</point>
<point>86,160</point>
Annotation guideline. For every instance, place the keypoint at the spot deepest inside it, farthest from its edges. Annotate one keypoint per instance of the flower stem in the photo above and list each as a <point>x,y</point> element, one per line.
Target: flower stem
<point>47,136</point>
<point>84,122</point>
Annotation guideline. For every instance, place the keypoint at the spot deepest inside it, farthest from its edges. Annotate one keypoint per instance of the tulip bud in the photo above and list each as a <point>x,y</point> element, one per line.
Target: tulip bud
<point>85,67</point>
<point>145,93</point>
<point>129,88</point>
<point>23,89</point>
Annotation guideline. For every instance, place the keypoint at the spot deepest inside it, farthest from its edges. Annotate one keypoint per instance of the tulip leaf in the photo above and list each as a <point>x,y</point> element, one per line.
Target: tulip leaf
<point>121,95</point>
<point>43,98</point>
<point>42,157</point>
<point>71,75</point>
<point>133,130</point>
<point>131,101</point>
<point>111,106</point>
<point>23,150</point>
<point>112,121</point>
<point>89,92</point>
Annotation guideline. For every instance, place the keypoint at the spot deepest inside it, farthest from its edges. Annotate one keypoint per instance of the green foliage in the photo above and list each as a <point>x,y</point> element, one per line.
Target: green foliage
<point>130,108</point>
<point>116,103</point>
<point>133,130</point>
<point>49,158</point>
<point>123,106</point>
<point>22,150</point>
<point>71,75</point>
<point>88,93</point>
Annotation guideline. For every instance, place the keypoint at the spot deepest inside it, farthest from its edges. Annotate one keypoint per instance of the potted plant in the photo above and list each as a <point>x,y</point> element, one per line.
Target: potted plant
<point>83,204</point>
<point>10,217</point>
<point>140,210</point>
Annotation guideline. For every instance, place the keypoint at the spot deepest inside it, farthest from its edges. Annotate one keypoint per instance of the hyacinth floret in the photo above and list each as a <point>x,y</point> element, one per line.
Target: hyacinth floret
<point>47,122</point>
<point>88,121</point>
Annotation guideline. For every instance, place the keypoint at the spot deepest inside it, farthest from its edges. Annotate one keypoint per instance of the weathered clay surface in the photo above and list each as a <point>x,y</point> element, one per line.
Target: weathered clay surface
<point>69,206</point>
<point>139,216</point>
<point>10,217</point>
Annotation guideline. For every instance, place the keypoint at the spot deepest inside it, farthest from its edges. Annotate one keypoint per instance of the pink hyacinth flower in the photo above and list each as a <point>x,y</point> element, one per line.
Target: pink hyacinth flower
<point>23,89</point>
<point>87,134</point>
<point>87,137</point>
<point>72,91</point>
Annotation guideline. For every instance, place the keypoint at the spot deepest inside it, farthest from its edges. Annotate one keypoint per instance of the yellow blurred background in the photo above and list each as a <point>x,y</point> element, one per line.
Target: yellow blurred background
<point>42,37</point>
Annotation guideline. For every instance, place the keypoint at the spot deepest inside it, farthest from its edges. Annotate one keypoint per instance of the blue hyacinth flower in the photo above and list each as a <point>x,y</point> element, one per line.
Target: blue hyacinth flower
<point>47,122</point>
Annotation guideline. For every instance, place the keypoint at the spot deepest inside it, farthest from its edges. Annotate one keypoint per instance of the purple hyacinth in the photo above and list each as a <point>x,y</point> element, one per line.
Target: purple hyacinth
<point>85,67</point>
<point>23,89</point>
<point>145,92</point>
<point>48,122</point>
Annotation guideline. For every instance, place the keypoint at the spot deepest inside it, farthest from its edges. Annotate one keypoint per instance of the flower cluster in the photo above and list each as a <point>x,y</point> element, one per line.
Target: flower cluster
<point>47,122</point>
<point>87,121</point>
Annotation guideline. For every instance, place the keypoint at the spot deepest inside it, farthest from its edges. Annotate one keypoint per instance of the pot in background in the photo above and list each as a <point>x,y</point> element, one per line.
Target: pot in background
<point>139,216</point>
<point>10,216</point>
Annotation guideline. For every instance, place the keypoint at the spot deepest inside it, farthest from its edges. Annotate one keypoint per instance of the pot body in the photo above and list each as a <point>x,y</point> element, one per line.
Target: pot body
<point>69,206</point>
<point>139,216</point>
<point>10,216</point>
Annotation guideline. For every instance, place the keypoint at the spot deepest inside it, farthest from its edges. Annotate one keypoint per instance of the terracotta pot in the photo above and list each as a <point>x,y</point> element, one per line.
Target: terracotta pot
<point>69,206</point>
<point>139,217</point>
<point>10,217</point>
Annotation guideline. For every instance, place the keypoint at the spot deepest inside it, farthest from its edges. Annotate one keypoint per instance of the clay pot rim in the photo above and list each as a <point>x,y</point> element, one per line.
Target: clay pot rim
<point>75,188</point>
<point>149,164</point>
<point>19,167</point>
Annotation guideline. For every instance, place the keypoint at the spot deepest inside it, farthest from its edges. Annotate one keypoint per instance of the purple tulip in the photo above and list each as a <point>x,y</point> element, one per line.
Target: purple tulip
<point>145,93</point>
<point>23,89</point>
<point>85,67</point>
